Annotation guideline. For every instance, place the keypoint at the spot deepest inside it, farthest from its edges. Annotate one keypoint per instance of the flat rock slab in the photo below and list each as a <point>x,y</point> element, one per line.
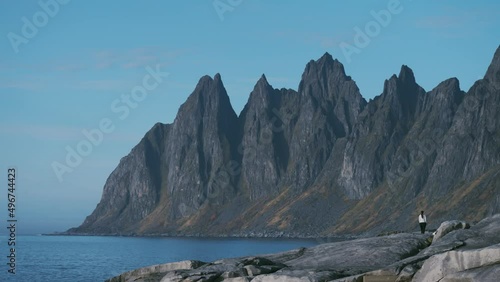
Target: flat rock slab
<point>324,262</point>
<point>441,265</point>
<point>361,255</point>
<point>482,274</point>
<point>464,252</point>
<point>151,273</point>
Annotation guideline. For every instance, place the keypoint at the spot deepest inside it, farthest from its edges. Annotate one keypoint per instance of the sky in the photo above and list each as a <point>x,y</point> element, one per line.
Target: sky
<point>90,78</point>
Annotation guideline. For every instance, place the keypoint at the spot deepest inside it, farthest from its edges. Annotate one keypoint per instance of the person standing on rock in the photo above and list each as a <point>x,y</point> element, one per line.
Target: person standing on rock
<point>422,220</point>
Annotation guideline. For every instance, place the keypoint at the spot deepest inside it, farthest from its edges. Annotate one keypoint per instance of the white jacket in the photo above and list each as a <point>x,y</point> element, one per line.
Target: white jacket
<point>422,219</point>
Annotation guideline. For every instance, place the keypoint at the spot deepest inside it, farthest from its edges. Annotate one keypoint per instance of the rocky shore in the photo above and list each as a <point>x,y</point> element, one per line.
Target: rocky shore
<point>457,251</point>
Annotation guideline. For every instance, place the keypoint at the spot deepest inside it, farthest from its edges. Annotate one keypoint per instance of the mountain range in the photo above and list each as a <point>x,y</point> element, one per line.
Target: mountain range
<point>314,162</point>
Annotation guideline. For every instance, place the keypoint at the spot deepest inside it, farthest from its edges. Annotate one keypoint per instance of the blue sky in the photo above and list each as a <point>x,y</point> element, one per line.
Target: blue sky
<point>64,75</point>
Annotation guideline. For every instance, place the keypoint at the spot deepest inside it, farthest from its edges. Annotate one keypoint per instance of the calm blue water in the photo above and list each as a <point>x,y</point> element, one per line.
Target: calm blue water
<point>87,259</point>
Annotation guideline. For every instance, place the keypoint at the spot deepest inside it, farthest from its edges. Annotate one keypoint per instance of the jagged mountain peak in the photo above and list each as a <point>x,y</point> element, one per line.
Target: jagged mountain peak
<point>327,57</point>
<point>217,77</point>
<point>309,162</point>
<point>207,81</point>
<point>493,72</point>
<point>262,87</point>
<point>450,87</point>
<point>402,94</point>
<point>325,80</point>
<point>208,86</point>
<point>451,83</point>
<point>262,95</point>
<point>406,75</point>
<point>445,98</point>
<point>204,80</point>
<point>262,82</point>
<point>326,65</point>
<point>403,84</point>
<point>218,81</point>
<point>208,98</point>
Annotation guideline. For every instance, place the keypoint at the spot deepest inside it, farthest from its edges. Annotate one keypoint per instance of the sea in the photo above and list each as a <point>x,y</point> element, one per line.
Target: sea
<point>96,258</point>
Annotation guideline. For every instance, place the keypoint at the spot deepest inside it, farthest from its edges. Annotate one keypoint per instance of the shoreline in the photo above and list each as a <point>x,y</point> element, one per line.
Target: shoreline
<point>456,250</point>
<point>331,238</point>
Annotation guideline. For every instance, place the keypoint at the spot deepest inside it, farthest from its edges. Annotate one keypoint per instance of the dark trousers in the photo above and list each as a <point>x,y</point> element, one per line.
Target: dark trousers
<point>422,227</point>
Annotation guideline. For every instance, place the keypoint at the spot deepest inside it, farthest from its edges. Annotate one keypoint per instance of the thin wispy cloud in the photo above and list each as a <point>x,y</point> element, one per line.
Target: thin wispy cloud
<point>132,58</point>
<point>61,73</point>
<point>459,19</point>
<point>69,67</point>
<point>440,22</point>
<point>41,132</point>
<point>43,82</point>
<point>104,84</point>
<point>24,84</point>
<point>125,59</point>
<point>331,41</point>
<point>59,133</point>
<point>450,27</point>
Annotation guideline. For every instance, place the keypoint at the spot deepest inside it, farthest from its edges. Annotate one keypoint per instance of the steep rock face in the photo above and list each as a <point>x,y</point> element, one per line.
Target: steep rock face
<point>201,145</point>
<point>414,158</point>
<point>267,122</point>
<point>330,105</point>
<point>445,164</point>
<point>472,145</point>
<point>132,191</point>
<point>493,72</point>
<point>313,162</point>
<point>378,134</point>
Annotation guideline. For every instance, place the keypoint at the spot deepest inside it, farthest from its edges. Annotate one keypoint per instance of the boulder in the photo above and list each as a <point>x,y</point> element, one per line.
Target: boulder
<point>199,276</point>
<point>451,263</point>
<point>252,270</point>
<point>449,226</point>
<point>464,249</point>
<point>486,273</point>
<point>152,271</point>
<point>230,274</point>
<point>292,276</point>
